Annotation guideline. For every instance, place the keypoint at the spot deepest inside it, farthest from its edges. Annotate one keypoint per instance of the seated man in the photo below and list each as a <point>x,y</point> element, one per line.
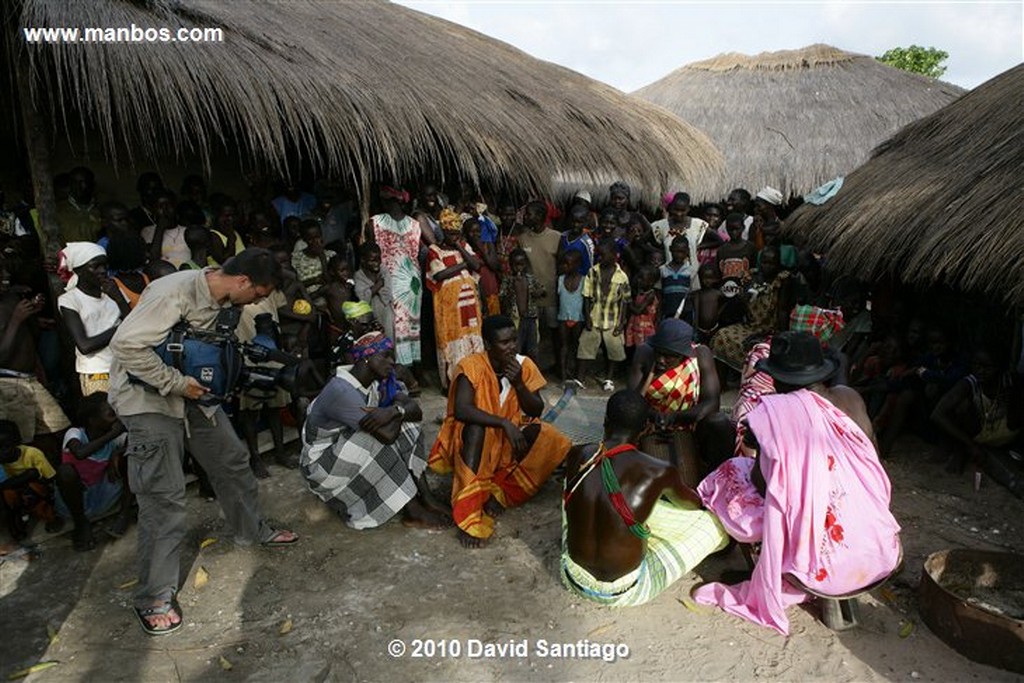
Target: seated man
<point>815,496</point>
<point>983,416</point>
<point>633,529</point>
<point>679,381</point>
<point>491,438</point>
<point>362,445</point>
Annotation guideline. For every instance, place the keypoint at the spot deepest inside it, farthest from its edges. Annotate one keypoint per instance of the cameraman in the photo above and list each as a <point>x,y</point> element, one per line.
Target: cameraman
<point>162,415</point>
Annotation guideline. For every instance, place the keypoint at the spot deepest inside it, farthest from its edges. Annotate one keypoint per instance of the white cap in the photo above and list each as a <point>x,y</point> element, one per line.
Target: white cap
<point>585,196</point>
<point>770,195</point>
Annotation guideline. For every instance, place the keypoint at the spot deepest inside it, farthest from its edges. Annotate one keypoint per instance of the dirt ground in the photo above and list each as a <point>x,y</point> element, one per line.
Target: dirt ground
<point>341,604</point>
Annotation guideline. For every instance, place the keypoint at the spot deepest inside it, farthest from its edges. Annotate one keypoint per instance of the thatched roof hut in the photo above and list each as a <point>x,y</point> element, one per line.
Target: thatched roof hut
<point>796,118</point>
<point>361,89</point>
<point>939,202</point>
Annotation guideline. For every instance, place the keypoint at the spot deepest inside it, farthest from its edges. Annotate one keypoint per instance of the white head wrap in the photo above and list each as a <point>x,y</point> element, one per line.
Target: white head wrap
<point>76,255</point>
<point>770,195</point>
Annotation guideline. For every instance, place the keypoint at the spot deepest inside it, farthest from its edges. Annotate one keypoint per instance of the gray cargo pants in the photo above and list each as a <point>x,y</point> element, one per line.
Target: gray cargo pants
<point>156,454</point>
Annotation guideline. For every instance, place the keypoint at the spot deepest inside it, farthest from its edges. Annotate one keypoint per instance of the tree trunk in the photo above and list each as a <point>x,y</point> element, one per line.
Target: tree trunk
<point>37,146</point>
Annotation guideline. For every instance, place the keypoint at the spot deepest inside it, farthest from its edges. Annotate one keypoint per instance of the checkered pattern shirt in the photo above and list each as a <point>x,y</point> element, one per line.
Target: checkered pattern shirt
<point>606,310</point>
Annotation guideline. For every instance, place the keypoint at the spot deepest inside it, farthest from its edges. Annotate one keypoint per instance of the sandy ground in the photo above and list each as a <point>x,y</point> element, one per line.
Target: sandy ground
<point>330,608</point>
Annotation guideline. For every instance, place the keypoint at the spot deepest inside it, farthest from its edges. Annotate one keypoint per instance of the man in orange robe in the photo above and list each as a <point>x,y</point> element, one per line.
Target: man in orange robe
<point>491,438</point>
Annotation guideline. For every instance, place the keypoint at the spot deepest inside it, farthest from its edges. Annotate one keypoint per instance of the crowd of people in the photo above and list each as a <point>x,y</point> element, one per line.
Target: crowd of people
<point>679,303</point>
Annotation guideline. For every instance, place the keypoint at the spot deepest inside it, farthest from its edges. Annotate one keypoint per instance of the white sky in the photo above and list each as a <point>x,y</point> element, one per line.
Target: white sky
<point>630,44</point>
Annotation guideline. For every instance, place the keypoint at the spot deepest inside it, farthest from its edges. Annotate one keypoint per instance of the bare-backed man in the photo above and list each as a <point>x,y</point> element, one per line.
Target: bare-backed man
<point>630,527</point>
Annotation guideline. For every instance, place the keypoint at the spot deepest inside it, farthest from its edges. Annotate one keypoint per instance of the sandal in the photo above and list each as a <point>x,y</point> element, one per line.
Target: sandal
<point>160,610</point>
<point>276,542</point>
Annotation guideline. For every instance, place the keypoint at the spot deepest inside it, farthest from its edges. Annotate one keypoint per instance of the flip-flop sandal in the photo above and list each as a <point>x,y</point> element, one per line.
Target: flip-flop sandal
<point>159,610</point>
<point>272,543</point>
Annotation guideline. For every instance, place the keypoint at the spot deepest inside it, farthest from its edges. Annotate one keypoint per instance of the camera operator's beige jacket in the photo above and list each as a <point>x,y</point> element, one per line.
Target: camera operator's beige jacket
<point>180,296</point>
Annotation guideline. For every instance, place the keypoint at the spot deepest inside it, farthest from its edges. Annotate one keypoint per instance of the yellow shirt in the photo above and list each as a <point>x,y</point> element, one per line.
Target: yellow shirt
<point>30,458</point>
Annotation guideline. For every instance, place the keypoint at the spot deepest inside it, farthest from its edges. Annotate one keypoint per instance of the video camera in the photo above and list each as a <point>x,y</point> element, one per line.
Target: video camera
<point>216,358</point>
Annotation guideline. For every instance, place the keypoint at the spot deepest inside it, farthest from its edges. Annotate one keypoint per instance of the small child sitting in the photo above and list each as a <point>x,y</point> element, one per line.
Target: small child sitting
<point>644,308</point>
<point>519,293</point>
<point>338,288</point>
<point>92,477</point>
<point>26,483</point>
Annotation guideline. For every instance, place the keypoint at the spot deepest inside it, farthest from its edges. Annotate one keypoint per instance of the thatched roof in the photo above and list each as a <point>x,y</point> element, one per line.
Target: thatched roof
<point>939,202</point>
<point>367,88</point>
<point>796,118</point>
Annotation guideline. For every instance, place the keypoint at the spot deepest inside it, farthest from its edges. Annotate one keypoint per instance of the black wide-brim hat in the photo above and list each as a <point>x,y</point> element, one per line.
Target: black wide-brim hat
<point>673,336</point>
<point>797,359</point>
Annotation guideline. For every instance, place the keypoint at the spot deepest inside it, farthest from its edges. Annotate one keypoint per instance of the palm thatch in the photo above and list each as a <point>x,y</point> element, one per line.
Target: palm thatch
<point>939,202</point>
<point>796,118</point>
<point>362,88</point>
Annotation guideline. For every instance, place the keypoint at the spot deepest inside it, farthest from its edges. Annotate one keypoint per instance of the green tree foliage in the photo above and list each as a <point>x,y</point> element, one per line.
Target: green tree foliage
<point>926,61</point>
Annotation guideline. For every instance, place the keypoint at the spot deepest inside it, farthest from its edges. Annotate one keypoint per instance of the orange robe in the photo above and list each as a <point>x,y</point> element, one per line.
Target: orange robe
<point>499,475</point>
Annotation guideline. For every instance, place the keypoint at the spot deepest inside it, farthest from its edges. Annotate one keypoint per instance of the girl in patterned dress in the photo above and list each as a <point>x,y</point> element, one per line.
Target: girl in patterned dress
<point>644,308</point>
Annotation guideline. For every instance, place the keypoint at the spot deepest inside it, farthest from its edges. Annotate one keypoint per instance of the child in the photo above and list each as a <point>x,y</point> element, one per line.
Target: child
<point>644,308</point>
<point>91,480</point>
<point>197,238</point>
<point>373,288</point>
<point>490,264</point>
<point>291,232</point>
<point>713,217</point>
<point>519,293</point>
<point>309,258</point>
<point>605,298</point>
<point>263,318</point>
<point>675,278</point>
<point>338,288</point>
<point>26,484</point>
<point>636,252</point>
<point>713,308</point>
<point>570,311</point>
<point>608,227</point>
<point>737,256</point>
<point>576,238</point>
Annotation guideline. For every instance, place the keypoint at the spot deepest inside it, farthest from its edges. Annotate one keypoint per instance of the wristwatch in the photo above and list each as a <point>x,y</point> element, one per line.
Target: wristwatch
<point>400,409</point>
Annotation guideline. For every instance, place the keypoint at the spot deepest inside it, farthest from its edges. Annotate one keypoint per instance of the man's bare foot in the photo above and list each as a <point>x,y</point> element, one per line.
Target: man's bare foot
<point>494,508</point>
<point>470,542</point>
<point>416,515</point>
